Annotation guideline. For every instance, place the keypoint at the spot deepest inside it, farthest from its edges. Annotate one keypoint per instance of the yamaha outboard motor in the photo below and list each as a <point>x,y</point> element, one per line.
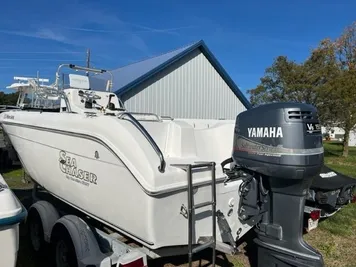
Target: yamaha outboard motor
<point>278,151</point>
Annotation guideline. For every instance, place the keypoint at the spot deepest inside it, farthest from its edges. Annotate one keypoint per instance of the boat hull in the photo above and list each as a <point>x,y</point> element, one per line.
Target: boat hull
<point>12,213</point>
<point>85,172</point>
<point>9,237</point>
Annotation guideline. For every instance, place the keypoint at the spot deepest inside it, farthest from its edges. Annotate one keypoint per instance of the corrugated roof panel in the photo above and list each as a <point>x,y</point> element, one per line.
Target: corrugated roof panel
<point>127,74</point>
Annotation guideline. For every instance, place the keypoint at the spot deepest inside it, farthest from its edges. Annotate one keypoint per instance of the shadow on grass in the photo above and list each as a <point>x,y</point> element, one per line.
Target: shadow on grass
<point>202,259</point>
<point>250,248</point>
<point>328,153</point>
<point>24,195</point>
<point>332,149</point>
<point>335,149</point>
<point>247,256</point>
<point>7,168</point>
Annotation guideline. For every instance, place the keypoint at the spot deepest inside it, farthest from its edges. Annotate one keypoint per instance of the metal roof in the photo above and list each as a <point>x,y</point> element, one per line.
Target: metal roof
<point>128,77</point>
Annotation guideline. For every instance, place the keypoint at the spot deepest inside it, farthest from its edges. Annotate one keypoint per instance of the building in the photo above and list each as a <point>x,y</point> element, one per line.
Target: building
<point>185,83</point>
<point>337,133</point>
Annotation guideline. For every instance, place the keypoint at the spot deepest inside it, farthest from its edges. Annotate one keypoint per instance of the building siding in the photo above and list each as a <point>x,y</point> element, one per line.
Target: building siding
<point>190,88</point>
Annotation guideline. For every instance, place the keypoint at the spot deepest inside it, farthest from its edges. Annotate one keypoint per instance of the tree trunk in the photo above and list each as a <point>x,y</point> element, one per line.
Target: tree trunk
<point>345,151</point>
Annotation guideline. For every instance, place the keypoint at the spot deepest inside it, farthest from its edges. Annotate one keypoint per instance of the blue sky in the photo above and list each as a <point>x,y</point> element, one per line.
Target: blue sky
<point>245,36</point>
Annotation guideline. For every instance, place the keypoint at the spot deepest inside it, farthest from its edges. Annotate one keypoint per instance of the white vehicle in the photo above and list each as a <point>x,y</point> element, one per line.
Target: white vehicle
<point>12,213</point>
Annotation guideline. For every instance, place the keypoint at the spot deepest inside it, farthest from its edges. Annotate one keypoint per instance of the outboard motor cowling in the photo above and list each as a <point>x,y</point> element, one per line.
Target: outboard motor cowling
<point>279,147</point>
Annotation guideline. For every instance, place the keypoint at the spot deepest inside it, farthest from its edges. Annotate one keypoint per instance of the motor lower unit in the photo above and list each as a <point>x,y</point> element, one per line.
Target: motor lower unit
<point>277,153</point>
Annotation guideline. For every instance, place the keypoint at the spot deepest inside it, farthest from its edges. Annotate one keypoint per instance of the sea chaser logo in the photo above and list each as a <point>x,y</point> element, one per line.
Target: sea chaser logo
<point>270,132</point>
<point>68,166</point>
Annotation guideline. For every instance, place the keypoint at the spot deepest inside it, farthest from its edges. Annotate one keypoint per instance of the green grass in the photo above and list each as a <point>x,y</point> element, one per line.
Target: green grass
<point>335,237</point>
<point>14,178</point>
<point>334,160</point>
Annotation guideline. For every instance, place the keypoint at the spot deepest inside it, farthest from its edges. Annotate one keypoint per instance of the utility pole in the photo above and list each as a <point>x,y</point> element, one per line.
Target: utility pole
<point>88,60</point>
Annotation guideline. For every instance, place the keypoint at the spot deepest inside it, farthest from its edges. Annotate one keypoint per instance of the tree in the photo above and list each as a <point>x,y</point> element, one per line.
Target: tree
<point>285,80</point>
<point>326,79</point>
<point>338,107</point>
<point>8,99</point>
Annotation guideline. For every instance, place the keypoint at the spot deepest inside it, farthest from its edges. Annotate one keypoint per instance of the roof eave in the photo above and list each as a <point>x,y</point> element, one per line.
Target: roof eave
<point>159,68</point>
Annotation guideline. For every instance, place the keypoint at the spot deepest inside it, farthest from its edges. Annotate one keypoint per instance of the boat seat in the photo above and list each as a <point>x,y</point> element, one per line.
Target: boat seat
<point>175,139</point>
<point>179,139</point>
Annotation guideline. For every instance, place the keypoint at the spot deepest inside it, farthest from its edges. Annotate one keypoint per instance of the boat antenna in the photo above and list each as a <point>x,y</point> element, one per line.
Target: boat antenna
<point>88,60</point>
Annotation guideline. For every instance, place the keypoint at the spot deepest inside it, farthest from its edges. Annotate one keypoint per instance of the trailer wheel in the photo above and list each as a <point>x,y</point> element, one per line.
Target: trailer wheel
<point>35,230</point>
<point>63,250</point>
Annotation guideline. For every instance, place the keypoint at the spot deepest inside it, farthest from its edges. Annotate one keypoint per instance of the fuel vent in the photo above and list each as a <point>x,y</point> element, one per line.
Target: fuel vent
<point>300,115</point>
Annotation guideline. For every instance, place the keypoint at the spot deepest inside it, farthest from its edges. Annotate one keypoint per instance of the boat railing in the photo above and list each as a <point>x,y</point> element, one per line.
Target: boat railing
<point>86,69</point>
<point>149,138</point>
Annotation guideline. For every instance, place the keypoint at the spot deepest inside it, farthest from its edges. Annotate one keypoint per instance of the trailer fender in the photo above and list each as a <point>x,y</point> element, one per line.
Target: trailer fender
<point>48,214</point>
<point>84,241</point>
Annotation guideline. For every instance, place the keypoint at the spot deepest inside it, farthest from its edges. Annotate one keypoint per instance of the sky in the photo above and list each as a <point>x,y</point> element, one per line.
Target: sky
<point>245,36</point>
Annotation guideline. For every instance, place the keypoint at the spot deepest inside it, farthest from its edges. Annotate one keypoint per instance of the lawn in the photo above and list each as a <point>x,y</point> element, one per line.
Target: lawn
<point>335,237</point>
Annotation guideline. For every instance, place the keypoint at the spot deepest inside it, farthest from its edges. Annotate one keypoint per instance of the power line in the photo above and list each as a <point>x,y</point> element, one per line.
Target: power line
<point>39,52</point>
<point>39,59</point>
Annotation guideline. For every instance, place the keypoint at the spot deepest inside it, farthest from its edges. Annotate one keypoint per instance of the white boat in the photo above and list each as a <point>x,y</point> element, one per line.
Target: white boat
<point>33,92</point>
<point>166,183</point>
<point>129,170</point>
<point>12,213</point>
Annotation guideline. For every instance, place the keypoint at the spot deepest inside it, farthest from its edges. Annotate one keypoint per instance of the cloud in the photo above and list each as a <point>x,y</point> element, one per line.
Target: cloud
<point>89,26</point>
<point>143,30</point>
<point>164,31</point>
<point>42,33</point>
<point>138,43</point>
<point>51,35</point>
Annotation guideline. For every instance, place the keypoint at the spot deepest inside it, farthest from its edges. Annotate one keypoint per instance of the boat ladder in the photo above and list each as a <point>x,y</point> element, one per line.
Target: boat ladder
<point>208,241</point>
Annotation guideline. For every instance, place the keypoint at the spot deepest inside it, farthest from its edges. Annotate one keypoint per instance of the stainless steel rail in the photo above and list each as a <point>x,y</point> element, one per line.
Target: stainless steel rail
<point>149,138</point>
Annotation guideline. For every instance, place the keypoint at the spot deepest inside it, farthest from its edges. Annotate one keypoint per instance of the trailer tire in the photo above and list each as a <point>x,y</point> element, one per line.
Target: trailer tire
<point>63,250</point>
<point>35,230</point>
